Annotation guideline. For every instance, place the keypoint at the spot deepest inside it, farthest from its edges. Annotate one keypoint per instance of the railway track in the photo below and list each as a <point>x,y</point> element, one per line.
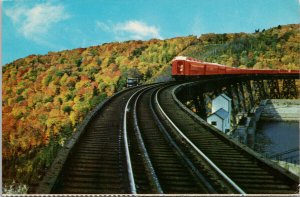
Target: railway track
<point>168,170</point>
<point>247,173</point>
<point>133,146</point>
<point>98,162</point>
<point>126,149</point>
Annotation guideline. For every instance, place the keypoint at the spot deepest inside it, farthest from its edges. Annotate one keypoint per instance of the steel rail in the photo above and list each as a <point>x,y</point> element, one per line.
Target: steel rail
<point>141,143</point>
<point>179,151</point>
<point>232,183</point>
<point>52,176</point>
<point>127,152</point>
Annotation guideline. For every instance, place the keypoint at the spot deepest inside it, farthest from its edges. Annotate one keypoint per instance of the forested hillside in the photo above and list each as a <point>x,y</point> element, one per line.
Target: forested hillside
<point>276,48</point>
<point>44,97</point>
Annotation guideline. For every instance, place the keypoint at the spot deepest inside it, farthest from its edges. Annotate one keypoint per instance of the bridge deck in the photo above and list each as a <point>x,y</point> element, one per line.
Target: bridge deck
<point>250,173</point>
<point>172,172</point>
<point>97,162</point>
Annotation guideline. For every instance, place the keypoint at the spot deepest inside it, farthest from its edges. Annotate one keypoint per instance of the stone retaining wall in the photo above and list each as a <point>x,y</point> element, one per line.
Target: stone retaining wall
<point>281,110</point>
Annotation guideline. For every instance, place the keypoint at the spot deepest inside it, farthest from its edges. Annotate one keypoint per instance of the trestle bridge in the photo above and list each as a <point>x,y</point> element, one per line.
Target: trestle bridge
<point>146,140</point>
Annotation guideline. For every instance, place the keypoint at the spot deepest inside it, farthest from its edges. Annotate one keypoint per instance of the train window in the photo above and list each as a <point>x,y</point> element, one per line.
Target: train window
<point>180,67</point>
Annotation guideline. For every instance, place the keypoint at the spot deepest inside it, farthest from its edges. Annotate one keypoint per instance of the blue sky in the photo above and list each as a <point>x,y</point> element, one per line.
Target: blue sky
<point>39,26</point>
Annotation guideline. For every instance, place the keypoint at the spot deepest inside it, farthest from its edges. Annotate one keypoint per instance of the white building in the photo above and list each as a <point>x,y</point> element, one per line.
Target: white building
<point>221,112</point>
<point>221,101</point>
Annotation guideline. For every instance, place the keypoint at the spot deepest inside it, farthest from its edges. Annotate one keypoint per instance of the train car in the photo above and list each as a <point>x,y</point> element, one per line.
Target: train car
<point>263,71</point>
<point>187,67</point>
<point>273,72</point>
<point>284,71</point>
<point>211,69</point>
<point>246,71</point>
<point>236,71</point>
<point>229,70</point>
<point>295,72</point>
<point>222,70</point>
<point>131,81</point>
<point>178,66</point>
<point>196,68</point>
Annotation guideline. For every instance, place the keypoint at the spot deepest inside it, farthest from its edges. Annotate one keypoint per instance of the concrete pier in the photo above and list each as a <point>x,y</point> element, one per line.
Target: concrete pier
<point>281,110</point>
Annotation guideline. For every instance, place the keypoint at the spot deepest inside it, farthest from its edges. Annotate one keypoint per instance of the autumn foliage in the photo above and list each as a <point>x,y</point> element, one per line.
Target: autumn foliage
<point>44,97</point>
<point>275,48</point>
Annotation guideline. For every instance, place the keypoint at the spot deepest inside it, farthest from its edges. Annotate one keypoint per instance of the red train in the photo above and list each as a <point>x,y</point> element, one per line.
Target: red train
<point>183,67</point>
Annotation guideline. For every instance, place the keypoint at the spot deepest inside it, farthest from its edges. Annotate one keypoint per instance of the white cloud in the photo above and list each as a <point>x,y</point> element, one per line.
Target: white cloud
<point>132,29</point>
<point>35,22</point>
<point>15,13</point>
<point>137,29</point>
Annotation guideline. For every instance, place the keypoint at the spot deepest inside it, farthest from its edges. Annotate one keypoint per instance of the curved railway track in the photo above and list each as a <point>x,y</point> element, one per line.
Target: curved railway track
<point>98,162</point>
<point>137,144</point>
<point>168,169</point>
<point>247,172</point>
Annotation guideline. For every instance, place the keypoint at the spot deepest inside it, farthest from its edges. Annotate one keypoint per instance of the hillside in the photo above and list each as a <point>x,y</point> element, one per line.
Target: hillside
<point>276,48</point>
<point>44,97</point>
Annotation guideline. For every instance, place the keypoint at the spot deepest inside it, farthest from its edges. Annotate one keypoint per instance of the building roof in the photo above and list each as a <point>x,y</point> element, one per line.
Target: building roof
<point>226,97</point>
<point>223,114</point>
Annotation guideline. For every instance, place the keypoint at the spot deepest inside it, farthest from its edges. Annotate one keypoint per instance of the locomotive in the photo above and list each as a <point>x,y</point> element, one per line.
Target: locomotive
<point>132,81</point>
<point>187,67</point>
